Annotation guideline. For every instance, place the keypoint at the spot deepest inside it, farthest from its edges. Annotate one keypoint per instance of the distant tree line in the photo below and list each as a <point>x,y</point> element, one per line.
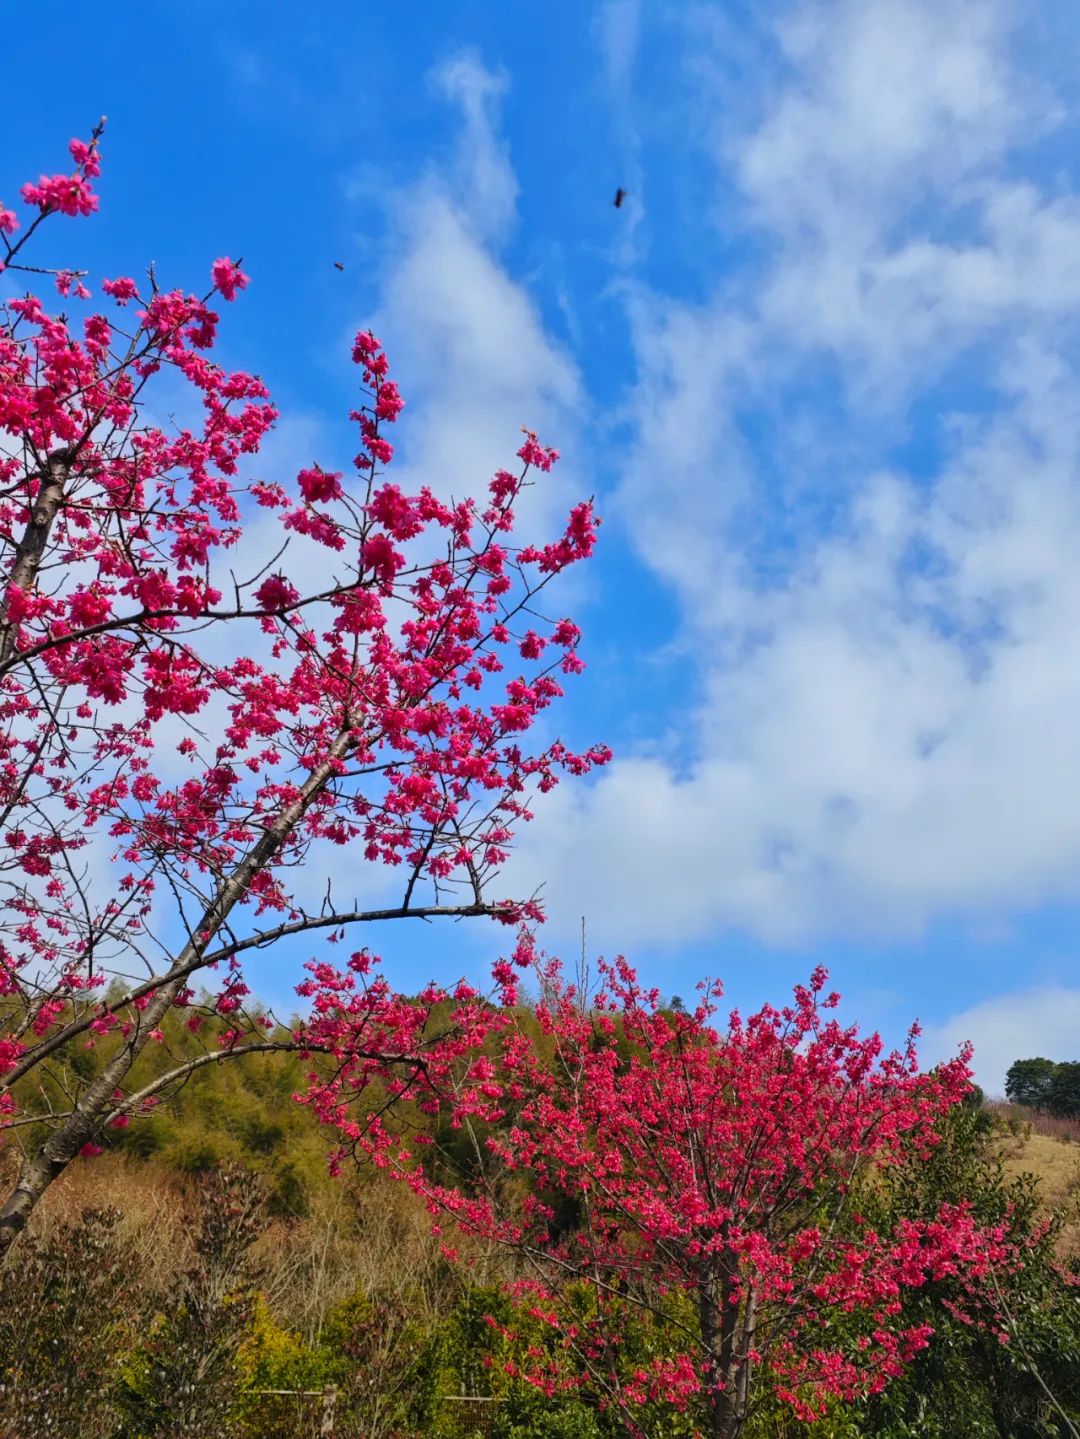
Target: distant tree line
<point>1047,1085</point>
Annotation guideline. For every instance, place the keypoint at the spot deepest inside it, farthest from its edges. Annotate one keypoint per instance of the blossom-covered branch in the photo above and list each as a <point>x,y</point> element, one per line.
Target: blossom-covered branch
<point>666,1155</point>
<point>174,766</point>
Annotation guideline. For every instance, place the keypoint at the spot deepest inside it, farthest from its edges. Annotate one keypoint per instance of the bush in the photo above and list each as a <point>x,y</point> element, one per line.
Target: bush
<point>64,1300</point>
<point>182,1380</point>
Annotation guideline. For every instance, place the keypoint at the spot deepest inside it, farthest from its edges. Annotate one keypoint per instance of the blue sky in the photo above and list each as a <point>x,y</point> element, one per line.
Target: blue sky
<point>821,372</point>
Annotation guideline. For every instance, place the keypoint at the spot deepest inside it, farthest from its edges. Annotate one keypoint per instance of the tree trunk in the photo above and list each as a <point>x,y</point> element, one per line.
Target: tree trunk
<point>725,1422</point>
<point>329,1405</point>
<point>725,1382</point>
<point>31,548</point>
<point>83,1125</point>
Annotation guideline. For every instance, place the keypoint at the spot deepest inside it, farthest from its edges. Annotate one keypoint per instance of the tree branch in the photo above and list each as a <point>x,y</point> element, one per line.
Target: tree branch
<point>256,941</point>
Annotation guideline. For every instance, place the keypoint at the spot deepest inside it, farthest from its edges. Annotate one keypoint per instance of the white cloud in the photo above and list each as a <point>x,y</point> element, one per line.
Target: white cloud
<point>618,28</point>
<point>472,348</point>
<point>888,133</point>
<point>467,342</point>
<point>887,726</point>
<point>482,176</point>
<point>1040,1022</point>
<point>881,99</point>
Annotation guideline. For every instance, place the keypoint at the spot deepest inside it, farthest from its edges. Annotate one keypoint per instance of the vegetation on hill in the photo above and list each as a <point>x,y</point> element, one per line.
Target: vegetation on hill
<point>208,1260</point>
<point>1045,1085</point>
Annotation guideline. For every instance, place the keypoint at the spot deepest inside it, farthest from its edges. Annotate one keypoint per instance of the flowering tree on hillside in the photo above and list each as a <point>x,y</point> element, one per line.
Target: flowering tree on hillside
<point>189,727</point>
<point>666,1158</point>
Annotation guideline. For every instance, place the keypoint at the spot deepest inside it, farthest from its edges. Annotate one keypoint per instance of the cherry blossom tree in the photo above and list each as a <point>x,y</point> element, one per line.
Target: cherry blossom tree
<point>665,1159</point>
<point>195,732</point>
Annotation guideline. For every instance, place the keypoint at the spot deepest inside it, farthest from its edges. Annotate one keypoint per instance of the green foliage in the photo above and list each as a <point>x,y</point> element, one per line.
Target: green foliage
<point>182,1380</point>
<point>374,1340</point>
<point>62,1314</point>
<point>996,1376</point>
<point>1063,1098</point>
<point>469,1378</point>
<point>1036,1083</point>
<point>273,1358</point>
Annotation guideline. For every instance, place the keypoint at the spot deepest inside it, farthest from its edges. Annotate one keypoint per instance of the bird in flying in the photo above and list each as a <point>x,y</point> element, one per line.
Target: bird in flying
<point>338,265</point>
<point>620,196</point>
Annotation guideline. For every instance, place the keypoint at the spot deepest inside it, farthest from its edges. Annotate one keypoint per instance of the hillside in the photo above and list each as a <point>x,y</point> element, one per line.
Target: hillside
<point>218,1238</point>
<point>1053,1158</point>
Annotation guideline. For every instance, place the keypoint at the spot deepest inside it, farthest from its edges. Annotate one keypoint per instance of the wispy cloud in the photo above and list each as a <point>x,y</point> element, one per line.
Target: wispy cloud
<point>480,177</point>
<point>618,28</point>
<point>466,338</point>
<point>1033,1022</point>
<point>885,729</point>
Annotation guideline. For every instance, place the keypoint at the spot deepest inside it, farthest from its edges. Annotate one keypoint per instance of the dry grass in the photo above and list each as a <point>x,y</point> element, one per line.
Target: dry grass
<point>1018,1118</point>
<point>153,1204</point>
<point>1055,1163</point>
<point>370,1235</point>
<point>1041,1144</point>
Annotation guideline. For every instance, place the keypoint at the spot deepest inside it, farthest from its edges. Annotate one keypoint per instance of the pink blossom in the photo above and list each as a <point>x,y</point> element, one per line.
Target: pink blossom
<point>121,290</point>
<point>276,593</point>
<point>227,278</point>
<point>306,712</point>
<point>319,486</point>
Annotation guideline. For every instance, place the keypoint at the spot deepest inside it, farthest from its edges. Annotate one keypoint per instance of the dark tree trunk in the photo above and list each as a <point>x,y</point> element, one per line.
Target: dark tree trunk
<point>83,1125</point>
<point>31,548</point>
<point>726,1363</point>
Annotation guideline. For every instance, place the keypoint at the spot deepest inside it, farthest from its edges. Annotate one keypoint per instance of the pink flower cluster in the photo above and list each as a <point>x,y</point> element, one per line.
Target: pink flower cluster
<point>382,710</point>
<point>65,194</point>
<point>721,1162</point>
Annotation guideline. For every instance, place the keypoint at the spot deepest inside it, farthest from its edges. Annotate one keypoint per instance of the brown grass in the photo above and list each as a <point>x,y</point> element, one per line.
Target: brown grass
<point>1053,1158</point>
<point>1018,1118</point>
<point>369,1234</point>
<point>1054,1162</point>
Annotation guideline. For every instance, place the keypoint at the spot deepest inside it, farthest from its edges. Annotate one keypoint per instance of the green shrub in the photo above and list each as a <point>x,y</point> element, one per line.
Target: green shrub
<point>64,1301</point>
